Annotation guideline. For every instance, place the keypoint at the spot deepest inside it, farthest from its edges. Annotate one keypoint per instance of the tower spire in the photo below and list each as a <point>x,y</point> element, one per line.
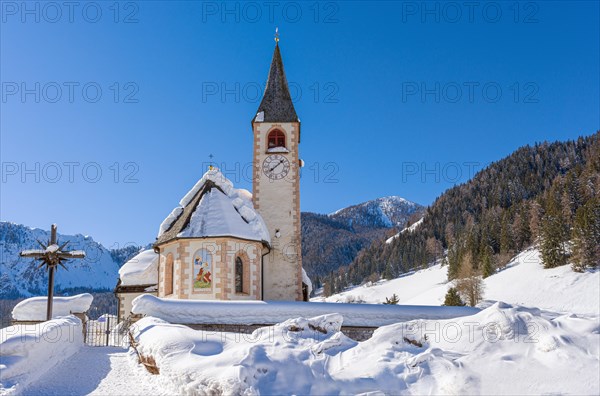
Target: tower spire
<point>276,104</point>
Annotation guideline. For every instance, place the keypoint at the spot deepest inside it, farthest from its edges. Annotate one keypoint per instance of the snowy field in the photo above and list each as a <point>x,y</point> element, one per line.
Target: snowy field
<point>524,282</point>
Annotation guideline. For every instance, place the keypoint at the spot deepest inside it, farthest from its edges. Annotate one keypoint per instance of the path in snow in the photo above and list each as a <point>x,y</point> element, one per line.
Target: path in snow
<point>96,371</point>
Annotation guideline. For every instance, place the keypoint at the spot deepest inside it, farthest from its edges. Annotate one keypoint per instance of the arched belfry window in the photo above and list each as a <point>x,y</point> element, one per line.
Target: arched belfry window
<point>239,275</point>
<point>276,139</point>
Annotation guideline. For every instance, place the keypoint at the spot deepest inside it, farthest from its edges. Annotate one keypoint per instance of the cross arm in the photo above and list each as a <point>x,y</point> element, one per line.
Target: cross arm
<point>33,253</point>
<point>72,254</point>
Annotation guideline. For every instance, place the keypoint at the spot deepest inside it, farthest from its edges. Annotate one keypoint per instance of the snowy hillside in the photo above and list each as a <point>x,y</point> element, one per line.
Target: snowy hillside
<point>410,228</point>
<point>19,277</point>
<point>524,281</point>
<point>392,211</point>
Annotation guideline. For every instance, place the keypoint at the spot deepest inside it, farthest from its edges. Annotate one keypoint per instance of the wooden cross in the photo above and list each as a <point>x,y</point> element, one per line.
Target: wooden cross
<point>52,255</point>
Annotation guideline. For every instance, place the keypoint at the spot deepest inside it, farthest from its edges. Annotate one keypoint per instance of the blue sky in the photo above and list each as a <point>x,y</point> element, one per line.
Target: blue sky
<point>395,98</point>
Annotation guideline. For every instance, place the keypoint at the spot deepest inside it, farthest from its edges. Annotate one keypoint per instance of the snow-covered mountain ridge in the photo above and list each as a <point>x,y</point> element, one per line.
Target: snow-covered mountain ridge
<point>392,211</point>
<point>20,277</point>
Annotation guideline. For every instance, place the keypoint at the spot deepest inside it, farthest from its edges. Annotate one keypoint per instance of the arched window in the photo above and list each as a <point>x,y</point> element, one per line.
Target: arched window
<point>169,275</point>
<point>239,275</point>
<point>276,139</point>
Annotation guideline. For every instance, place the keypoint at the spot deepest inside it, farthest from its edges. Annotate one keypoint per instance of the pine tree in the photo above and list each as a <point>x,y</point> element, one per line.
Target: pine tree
<point>453,298</point>
<point>487,265</point>
<point>506,237</point>
<point>522,227</point>
<point>453,259</point>
<point>388,273</point>
<point>553,233</point>
<point>392,300</point>
<point>586,236</point>
<point>535,216</point>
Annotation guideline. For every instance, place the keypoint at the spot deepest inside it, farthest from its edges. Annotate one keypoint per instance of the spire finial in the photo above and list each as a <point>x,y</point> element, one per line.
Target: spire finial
<point>277,35</point>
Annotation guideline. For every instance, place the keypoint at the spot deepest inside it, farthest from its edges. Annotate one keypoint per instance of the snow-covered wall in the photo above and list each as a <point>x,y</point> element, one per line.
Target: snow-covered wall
<point>27,351</point>
<point>502,350</point>
<point>271,312</point>
<point>34,308</point>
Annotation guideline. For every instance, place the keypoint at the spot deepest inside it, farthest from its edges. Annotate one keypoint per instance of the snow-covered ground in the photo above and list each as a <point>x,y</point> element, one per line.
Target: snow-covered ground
<point>503,349</point>
<point>524,282</point>
<point>97,371</point>
<point>27,351</point>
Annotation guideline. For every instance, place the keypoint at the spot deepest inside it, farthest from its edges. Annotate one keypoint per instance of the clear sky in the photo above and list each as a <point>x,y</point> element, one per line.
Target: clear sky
<point>110,111</point>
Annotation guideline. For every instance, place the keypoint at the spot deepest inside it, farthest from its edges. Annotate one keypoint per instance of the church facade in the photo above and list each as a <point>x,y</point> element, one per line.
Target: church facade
<point>223,243</point>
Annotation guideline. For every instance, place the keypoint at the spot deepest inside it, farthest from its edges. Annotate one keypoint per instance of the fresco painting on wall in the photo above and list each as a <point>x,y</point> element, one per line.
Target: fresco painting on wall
<point>202,270</point>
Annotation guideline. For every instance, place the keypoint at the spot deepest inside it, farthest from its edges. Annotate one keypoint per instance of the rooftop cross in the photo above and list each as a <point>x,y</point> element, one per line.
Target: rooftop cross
<point>277,35</point>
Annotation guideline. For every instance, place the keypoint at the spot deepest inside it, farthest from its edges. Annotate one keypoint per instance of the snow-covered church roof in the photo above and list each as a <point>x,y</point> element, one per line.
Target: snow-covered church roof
<point>214,208</point>
<point>142,269</point>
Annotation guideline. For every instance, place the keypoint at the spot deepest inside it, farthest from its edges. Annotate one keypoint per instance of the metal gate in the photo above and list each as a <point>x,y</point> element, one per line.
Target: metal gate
<point>106,331</point>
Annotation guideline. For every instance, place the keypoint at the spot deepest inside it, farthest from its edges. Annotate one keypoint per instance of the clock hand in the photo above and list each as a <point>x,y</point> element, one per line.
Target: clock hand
<point>279,163</point>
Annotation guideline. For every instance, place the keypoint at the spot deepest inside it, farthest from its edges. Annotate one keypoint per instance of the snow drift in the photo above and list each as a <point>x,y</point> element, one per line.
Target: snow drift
<point>27,351</point>
<point>503,349</point>
<point>34,308</point>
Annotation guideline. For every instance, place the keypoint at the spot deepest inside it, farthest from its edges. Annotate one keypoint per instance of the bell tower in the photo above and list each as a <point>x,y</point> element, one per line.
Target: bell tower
<point>276,189</point>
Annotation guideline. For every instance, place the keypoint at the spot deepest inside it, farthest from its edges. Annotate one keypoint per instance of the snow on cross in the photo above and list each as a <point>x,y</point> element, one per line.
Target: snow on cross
<point>52,256</point>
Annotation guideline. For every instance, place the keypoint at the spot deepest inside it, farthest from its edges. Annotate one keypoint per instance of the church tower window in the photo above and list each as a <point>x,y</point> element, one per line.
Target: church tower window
<point>276,139</point>
<point>239,275</point>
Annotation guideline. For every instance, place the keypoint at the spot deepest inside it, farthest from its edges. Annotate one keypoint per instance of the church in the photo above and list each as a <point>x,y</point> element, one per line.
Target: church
<point>223,243</point>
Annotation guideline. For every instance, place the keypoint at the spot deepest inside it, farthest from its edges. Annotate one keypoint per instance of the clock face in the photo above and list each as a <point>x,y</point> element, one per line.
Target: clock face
<point>276,167</point>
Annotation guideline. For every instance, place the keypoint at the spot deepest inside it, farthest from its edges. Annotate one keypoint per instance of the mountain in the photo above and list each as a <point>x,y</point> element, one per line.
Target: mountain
<point>19,277</point>
<point>383,212</point>
<point>547,193</point>
<point>333,240</point>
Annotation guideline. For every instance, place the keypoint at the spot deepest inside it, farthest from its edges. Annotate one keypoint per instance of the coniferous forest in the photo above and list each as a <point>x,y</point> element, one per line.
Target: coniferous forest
<point>548,194</point>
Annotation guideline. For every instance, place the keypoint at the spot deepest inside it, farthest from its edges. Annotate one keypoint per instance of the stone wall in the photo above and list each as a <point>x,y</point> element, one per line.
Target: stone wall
<point>355,332</point>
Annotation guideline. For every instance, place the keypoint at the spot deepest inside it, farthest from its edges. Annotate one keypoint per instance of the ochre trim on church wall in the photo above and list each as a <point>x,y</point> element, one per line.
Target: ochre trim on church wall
<point>223,251</point>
